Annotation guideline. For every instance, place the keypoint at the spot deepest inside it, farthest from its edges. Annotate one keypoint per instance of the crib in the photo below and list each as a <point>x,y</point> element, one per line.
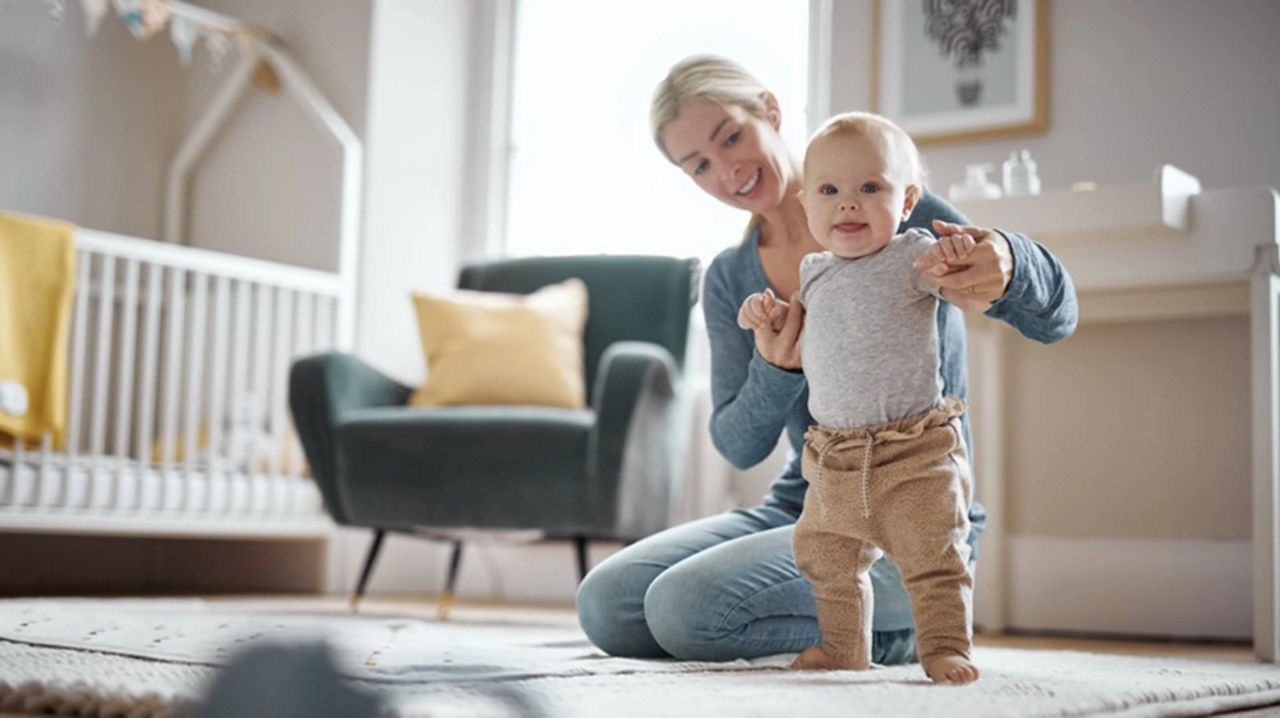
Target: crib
<point>177,422</point>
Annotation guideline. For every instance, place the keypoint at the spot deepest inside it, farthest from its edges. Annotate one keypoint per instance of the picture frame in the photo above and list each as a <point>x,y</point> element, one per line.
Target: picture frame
<point>961,70</point>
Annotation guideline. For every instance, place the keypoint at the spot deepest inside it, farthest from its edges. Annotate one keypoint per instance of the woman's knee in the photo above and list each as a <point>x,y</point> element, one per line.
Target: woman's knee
<point>681,614</point>
<point>610,604</point>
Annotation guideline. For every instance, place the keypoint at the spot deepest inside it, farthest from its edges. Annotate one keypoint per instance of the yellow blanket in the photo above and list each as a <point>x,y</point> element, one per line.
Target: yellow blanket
<point>37,277</point>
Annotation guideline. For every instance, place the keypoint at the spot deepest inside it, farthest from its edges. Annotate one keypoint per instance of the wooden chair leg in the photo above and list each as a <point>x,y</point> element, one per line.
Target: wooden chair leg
<point>580,543</point>
<point>451,581</point>
<point>369,559</point>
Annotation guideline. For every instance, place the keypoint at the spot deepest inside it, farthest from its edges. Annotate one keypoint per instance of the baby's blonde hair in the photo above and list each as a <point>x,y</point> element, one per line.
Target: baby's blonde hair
<point>707,78</point>
<point>904,158</point>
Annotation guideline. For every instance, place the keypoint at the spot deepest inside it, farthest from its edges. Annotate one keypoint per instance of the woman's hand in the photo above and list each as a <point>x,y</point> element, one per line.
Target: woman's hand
<point>778,334</point>
<point>976,281</point>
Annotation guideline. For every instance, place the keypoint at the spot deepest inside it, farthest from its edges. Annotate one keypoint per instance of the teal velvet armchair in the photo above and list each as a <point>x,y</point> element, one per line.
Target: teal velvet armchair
<point>612,471</point>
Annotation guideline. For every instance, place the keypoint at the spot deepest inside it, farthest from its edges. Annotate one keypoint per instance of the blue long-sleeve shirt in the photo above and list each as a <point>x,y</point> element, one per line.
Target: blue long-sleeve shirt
<point>755,401</point>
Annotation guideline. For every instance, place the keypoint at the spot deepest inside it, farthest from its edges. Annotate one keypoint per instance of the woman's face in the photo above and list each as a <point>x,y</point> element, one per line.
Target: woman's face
<point>731,154</point>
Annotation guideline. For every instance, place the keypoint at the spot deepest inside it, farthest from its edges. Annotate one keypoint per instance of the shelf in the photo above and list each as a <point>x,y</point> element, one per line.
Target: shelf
<point>1061,218</point>
<point>1165,234</point>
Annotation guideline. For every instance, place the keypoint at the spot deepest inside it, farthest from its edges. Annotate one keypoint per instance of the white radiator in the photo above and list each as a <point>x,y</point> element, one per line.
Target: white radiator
<point>178,420</point>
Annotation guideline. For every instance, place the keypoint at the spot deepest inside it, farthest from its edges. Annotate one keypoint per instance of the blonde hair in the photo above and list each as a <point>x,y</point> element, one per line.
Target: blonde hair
<point>901,151</point>
<point>706,78</point>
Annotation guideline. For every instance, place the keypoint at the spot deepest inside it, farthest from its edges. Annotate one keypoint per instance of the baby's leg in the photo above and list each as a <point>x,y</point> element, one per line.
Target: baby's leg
<point>925,522</point>
<point>837,567</point>
<point>937,578</point>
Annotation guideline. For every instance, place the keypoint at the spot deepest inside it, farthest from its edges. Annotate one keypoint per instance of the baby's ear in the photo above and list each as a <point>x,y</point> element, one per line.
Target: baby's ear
<point>909,202</point>
<point>800,196</point>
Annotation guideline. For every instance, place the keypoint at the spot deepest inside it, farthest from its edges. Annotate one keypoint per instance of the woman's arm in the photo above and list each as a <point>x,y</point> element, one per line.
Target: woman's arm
<point>750,397</point>
<point>1017,280</point>
<point>1040,300</point>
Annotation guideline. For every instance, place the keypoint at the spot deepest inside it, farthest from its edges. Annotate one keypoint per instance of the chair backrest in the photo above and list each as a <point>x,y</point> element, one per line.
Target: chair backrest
<point>630,297</point>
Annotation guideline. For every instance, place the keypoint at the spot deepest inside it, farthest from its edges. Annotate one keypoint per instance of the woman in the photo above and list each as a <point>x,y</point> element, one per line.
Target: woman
<point>727,587</point>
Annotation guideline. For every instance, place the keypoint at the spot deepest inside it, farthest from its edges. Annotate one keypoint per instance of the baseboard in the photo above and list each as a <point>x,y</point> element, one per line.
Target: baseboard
<point>542,572</point>
<point>1185,589</point>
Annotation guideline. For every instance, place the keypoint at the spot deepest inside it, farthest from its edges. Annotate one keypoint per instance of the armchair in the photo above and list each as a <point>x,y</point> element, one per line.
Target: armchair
<point>611,471</point>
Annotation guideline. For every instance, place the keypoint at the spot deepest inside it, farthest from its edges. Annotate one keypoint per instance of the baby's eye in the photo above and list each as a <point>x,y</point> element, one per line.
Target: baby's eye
<point>870,188</point>
<point>701,167</point>
<point>827,189</point>
<point>732,139</point>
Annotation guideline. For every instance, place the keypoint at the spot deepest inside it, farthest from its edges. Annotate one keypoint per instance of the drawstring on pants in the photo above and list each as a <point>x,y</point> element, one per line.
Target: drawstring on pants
<point>866,471</point>
<point>901,430</point>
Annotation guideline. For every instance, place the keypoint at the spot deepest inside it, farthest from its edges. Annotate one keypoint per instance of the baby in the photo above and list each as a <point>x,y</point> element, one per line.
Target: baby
<point>886,465</point>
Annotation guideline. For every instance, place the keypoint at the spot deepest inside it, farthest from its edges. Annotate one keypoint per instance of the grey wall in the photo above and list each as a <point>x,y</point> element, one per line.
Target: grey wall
<point>269,185</point>
<point>1134,84</point>
<point>86,125</point>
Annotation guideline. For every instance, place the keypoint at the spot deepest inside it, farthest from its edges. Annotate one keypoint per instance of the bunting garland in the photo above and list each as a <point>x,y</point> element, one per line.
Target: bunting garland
<point>58,9</point>
<point>146,18</point>
<point>184,35</point>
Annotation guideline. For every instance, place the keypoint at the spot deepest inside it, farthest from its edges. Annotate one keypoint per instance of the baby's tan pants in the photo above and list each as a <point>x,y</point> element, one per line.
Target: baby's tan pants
<point>902,488</point>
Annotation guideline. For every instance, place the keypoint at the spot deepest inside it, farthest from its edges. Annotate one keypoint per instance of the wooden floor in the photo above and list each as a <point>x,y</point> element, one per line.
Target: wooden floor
<point>427,607</point>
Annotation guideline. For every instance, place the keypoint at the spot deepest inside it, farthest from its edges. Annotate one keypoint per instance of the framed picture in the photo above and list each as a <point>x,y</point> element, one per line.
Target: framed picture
<point>953,70</point>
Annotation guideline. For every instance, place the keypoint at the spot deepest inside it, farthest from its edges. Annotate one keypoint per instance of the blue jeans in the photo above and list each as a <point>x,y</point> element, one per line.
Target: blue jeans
<point>722,588</point>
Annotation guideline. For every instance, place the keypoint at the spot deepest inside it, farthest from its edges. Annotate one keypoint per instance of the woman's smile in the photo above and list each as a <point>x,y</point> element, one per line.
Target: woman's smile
<point>751,184</point>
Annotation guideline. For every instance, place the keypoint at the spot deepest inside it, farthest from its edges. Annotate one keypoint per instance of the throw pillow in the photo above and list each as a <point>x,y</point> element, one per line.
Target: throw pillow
<point>494,348</point>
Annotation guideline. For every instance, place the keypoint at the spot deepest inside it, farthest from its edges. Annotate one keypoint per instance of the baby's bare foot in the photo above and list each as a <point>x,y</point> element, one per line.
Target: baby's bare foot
<point>956,670</point>
<point>815,658</point>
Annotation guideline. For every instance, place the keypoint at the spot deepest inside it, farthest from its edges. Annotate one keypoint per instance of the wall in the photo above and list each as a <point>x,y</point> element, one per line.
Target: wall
<point>1133,84</point>
<point>418,94</point>
<point>268,186</point>
<point>86,124</point>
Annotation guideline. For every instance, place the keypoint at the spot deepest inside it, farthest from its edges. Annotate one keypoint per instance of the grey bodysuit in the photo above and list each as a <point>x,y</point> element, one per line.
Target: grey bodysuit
<point>870,346</point>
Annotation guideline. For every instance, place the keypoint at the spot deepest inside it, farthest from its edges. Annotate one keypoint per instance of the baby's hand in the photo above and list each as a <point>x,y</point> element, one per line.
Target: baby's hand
<point>761,309</point>
<point>949,251</point>
<point>751,315</point>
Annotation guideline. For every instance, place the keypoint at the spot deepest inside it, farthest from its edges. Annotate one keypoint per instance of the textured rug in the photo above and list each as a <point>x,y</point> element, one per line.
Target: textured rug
<point>145,658</point>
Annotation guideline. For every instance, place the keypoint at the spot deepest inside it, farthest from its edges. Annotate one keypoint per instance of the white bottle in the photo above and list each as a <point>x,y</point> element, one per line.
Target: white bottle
<point>975,185</point>
<point>1020,177</point>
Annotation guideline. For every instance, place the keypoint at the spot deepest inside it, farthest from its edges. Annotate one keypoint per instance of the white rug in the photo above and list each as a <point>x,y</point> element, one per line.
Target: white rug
<point>142,658</point>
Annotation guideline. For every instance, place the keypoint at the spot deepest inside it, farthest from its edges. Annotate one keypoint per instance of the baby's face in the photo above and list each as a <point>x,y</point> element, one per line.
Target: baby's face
<point>853,199</point>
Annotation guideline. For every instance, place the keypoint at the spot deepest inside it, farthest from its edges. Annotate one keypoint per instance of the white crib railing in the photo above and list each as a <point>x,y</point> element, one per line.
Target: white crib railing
<point>178,422</point>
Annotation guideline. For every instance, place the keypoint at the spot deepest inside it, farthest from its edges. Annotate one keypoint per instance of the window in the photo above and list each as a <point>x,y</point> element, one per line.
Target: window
<point>585,176</point>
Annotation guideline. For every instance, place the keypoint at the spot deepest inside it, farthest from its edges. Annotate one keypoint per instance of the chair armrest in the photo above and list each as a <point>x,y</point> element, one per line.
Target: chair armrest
<point>635,447</point>
<point>322,388</point>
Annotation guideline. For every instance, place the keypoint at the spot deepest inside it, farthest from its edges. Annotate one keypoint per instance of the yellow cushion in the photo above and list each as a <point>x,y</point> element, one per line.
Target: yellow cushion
<point>493,348</point>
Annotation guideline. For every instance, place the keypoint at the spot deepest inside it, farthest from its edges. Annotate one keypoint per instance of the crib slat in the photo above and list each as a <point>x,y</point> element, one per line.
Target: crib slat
<point>124,375</point>
<point>75,412</point>
<point>325,317</point>
<point>239,369</point>
<point>176,307</point>
<point>261,385</point>
<point>193,381</point>
<point>147,379</point>
<point>46,460</point>
<point>217,379</point>
<point>102,364</point>
<point>280,355</point>
<point>18,468</point>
